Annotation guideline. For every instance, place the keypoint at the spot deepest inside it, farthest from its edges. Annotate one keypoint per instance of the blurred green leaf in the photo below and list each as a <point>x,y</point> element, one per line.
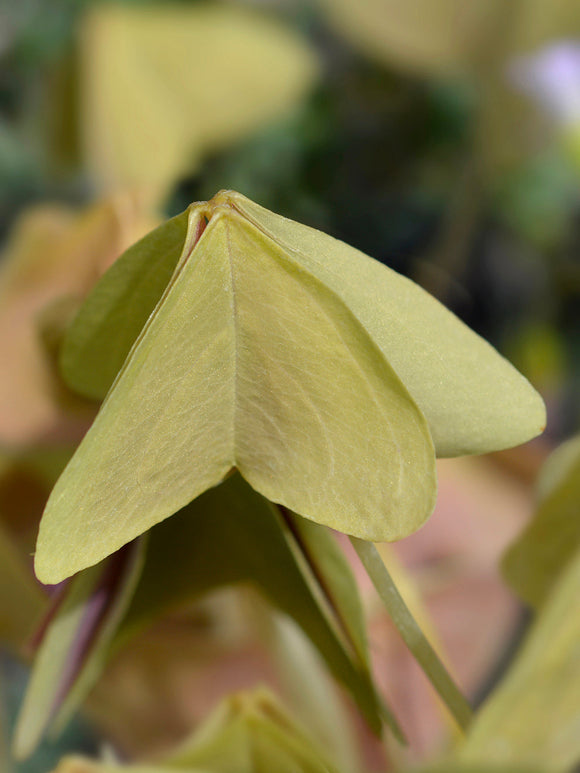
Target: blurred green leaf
<point>536,198</point>
<point>533,717</point>
<point>73,648</point>
<point>534,563</point>
<point>246,733</point>
<point>251,733</point>
<point>228,535</point>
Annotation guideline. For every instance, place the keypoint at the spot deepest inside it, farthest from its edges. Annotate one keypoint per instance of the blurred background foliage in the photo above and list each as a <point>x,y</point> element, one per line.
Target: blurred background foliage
<point>424,133</point>
<point>440,137</point>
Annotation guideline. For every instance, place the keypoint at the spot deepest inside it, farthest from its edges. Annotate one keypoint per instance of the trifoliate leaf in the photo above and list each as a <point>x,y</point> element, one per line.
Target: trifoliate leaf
<point>248,361</point>
<point>280,351</point>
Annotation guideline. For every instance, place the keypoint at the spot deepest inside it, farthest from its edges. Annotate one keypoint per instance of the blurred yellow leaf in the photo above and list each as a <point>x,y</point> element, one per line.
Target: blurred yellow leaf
<point>53,253</point>
<point>426,36</point>
<point>436,37</point>
<point>246,733</point>
<point>162,85</point>
<point>533,717</point>
<point>81,765</point>
<point>252,733</point>
<point>536,560</point>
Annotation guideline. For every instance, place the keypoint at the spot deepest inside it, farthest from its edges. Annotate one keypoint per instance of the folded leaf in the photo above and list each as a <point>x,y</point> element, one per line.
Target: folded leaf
<point>107,325</point>
<point>533,717</point>
<point>248,361</point>
<point>536,560</point>
<point>252,733</point>
<point>473,399</point>
<point>246,733</point>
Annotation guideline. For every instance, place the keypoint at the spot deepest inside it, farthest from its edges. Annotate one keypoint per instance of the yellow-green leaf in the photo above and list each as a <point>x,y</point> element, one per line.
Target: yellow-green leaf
<point>246,733</point>
<point>434,36</point>
<point>533,717</point>
<point>249,361</point>
<point>473,399</point>
<point>108,323</point>
<point>161,85</point>
<point>437,37</point>
<point>536,560</point>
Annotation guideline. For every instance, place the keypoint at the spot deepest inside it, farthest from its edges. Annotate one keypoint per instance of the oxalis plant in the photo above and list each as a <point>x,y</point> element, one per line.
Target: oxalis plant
<point>261,382</point>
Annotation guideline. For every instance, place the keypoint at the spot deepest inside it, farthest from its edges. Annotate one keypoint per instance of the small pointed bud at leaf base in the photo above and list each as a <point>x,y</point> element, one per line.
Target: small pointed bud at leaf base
<point>536,560</point>
<point>318,373</point>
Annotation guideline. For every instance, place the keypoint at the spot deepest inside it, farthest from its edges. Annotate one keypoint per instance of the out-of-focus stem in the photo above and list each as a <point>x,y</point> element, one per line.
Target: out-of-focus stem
<point>411,633</point>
